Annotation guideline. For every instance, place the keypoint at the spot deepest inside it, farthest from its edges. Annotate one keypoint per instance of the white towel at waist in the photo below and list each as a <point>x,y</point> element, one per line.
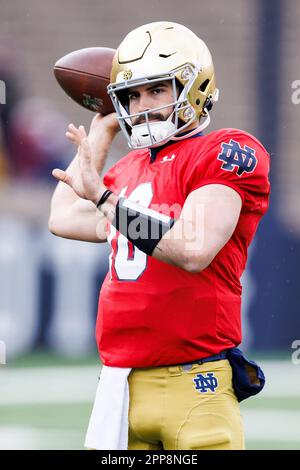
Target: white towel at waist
<point>108,426</point>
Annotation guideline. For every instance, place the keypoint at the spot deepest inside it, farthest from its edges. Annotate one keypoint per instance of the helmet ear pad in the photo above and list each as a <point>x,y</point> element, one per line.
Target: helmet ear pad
<point>208,103</point>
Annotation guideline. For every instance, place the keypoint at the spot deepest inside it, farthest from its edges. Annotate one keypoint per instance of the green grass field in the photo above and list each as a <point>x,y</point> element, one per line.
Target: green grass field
<point>45,403</point>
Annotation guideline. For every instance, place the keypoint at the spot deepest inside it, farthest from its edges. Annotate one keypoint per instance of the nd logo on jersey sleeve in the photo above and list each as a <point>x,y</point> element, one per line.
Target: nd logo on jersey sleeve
<point>235,157</point>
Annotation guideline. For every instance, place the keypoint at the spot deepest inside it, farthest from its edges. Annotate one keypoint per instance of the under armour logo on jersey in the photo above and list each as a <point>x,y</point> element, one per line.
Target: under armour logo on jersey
<point>168,159</point>
<point>234,156</point>
<point>203,383</point>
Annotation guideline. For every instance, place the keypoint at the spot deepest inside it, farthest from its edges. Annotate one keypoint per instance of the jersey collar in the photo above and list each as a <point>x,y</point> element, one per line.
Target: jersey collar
<point>155,150</point>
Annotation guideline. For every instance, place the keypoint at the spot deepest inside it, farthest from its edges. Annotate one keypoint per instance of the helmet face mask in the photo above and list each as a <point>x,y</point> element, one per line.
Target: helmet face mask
<point>192,82</point>
<point>179,119</point>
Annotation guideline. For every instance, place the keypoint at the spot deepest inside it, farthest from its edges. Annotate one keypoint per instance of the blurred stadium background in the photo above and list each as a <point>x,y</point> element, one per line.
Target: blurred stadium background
<point>49,287</point>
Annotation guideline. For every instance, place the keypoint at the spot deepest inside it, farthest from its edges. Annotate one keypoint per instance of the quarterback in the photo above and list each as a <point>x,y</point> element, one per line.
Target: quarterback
<point>179,211</point>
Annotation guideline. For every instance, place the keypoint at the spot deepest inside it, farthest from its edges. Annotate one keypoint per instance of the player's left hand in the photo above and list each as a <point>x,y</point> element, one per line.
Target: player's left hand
<point>87,183</point>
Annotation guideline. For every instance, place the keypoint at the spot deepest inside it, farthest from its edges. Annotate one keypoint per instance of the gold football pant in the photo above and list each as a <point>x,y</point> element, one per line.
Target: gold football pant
<point>176,408</point>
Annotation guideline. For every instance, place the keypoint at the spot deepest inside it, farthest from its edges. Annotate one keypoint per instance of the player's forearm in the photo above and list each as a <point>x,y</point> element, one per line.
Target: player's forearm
<point>64,196</point>
<point>182,247</point>
<point>179,246</point>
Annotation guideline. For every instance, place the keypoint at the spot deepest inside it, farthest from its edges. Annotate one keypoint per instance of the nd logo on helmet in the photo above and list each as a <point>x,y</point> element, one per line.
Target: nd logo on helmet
<point>127,74</point>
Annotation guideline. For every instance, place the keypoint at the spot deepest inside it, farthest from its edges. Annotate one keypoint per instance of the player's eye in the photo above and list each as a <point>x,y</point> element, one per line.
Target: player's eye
<point>157,91</point>
<point>132,95</point>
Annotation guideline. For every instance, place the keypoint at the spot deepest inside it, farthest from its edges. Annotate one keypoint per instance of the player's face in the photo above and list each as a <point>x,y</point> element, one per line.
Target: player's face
<point>146,97</point>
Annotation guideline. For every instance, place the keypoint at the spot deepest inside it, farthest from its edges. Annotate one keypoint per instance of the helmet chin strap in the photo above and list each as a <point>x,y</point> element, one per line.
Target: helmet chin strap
<point>200,128</point>
<point>156,133</point>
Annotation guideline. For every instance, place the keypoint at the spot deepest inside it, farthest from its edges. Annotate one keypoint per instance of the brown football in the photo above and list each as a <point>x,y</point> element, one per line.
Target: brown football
<point>84,76</point>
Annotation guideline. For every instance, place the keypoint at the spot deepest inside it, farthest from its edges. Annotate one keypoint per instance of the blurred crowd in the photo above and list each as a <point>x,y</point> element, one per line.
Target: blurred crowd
<point>49,286</point>
<point>32,140</point>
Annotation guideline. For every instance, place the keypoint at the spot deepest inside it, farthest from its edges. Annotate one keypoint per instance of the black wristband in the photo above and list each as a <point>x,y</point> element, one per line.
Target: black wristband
<point>142,226</point>
<point>103,198</point>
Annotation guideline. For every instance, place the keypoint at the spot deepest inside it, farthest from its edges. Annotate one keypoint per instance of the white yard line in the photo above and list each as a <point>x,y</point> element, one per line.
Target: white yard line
<point>48,385</point>
<point>21,438</point>
<point>272,425</point>
<point>79,383</point>
<point>282,379</point>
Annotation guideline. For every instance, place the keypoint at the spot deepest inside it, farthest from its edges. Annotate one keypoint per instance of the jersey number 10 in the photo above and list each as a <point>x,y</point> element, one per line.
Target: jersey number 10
<point>126,262</point>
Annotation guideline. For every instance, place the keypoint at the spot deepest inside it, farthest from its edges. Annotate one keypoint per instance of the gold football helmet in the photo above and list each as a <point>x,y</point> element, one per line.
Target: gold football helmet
<point>153,53</point>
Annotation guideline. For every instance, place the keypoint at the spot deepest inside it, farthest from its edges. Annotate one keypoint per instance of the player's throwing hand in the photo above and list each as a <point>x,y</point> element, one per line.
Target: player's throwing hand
<point>87,184</point>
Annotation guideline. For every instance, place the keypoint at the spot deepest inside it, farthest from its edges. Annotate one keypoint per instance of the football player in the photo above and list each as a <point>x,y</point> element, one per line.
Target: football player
<point>179,211</point>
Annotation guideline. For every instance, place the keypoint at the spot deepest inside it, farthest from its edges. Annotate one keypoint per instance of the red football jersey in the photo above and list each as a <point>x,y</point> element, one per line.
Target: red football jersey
<point>152,313</point>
